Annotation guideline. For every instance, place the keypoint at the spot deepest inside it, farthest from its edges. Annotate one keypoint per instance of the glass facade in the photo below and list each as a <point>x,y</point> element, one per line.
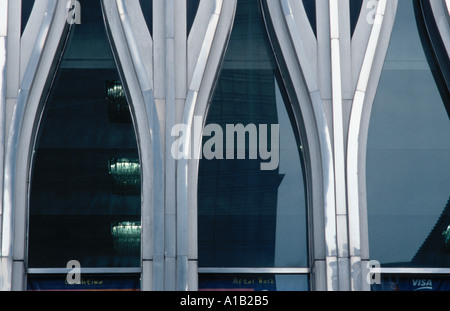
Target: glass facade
<point>89,112</point>
<point>408,168</point>
<point>249,217</point>
<point>85,189</point>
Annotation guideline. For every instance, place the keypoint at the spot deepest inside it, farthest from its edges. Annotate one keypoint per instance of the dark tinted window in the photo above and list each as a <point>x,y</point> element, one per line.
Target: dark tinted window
<point>147,10</point>
<point>249,217</point>
<point>355,10</point>
<point>408,168</point>
<point>85,187</point>
<point>192,8</point>
<point>27,7</point>
<point>310,8</point>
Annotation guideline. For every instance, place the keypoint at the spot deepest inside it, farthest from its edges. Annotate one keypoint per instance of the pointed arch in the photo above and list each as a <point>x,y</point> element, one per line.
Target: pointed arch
<point>296,49</point>
<point>40,61</point>
<point>22,131</point>
<point>246,91</point>
<point>206,45</point>
<point>419,135</point>
<point>135,64</point>
<point>4,264</point>
<point>368,78</point>
<point>437,24</point>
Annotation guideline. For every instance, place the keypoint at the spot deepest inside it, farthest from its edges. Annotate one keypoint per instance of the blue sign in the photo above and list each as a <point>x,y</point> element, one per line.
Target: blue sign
<point>237,283</point>
<point>87,283</point>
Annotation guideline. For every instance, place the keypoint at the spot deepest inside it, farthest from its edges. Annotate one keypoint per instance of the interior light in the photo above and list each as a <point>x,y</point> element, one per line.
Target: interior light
<point>118,108</point>
<point>446,235</point>
<point>125,176</point>
<point>127,237</point>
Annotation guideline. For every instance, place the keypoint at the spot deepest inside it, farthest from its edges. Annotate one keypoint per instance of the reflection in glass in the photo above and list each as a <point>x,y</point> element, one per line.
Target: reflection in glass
<point>118,108</point>
<point>127,237</point>
<point>408,168</point>
<point>253,282</point>
<point>432,37</point>
<point>249,217</point>
<point>89,282</point>
<point>125,176</point>
<point>85,175</point>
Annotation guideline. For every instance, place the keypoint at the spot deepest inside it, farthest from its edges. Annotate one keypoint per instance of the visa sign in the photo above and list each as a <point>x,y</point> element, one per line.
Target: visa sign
<point>422,284</point>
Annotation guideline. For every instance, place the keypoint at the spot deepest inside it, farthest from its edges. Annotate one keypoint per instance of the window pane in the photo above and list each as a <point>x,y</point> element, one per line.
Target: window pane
<point>355,10</point>
<point>85,189</point>
<point>408,168</point>
<point>27,7</point>
<point>310,8</point>
<point>192,8</point>
<point>249,217</point>
<point>147,10</point>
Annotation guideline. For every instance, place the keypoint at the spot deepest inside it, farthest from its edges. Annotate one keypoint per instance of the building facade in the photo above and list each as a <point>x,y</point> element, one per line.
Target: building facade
<point>208,144</point>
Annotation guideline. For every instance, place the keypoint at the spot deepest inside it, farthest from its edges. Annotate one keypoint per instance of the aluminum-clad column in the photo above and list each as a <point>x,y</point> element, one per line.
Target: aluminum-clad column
<point>34,70</point>
<point>340,72</point>
<point>206,45</point>
<point>5,265</point>
<point>317,80</point>
<point>170,44</point>
<point>369,47</point>
<point>165,34</point>
<point>338,144</point>
<point>133,47</point>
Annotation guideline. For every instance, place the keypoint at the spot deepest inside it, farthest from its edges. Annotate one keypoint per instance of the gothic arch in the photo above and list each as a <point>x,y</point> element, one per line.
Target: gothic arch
<point>134,59</point>
<point>34,82</point>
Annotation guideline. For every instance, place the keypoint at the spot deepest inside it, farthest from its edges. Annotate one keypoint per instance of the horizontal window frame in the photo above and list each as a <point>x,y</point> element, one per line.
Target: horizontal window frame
<point>218,270</point>
<point>54,271</point>
<point>411,270</point>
